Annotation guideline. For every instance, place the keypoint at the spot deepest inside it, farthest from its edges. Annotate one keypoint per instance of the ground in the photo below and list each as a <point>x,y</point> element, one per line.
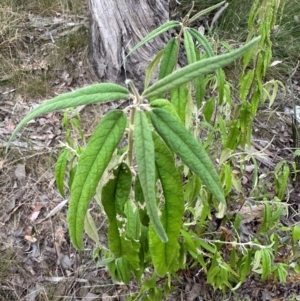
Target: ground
<point>44,52</point>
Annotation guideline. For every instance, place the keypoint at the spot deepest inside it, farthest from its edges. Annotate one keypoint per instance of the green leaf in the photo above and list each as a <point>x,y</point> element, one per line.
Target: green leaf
<point>163,254</point>
<point>205,12</point>
<point>133,225</point>
<point>190,72</point>
<point>164,104</point>
<point>227,178</point>
<point>146,286</point>
<point>192,188</point>
<point>114,196</point>
<point>118,189</point>
<point>189,47</point>
<point>123,269</point>
<point>245,266</point>
<point>245,124</point>
<point>92,94</point>
<point>182,143</point>
<point>130,253</point>
<point>161,29</point>
<point>88,95</point>
<point>201,39</point>
<point>105,261</point>
<point>267,218</point>
<point>72,174</point>
<point>222,126</point>
<point>91,166</point>
<point>283,179</point>
<point>155,294</point>
<point>266,263</point>
<point>233,138</point>
<point>190,243</point>
<point>90,228</point>
<point>212,275</point>
<point>60,169</point>
<point>245,84</point>
<point>145,158</point>
<point>156,32</point>
<point>199,84</point>
<point>169,58</point>
<point>296,233</point>
<point>179,99</point>
<point>151,68</point>
<point>207,246</point>
<point>193,55</point>
<point>131,250</point>
<point>208,109</point>
<point>233,258</point>
<point>256,262</point>
<point>140,201</point>
<point>282,272</point>
<point>114,200</point>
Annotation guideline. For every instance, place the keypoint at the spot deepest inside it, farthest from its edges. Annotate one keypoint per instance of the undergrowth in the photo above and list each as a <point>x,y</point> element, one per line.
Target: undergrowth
<point>172,170</point>
<point>232,25</point>
<point>168,207</point>
<point>38,41</point>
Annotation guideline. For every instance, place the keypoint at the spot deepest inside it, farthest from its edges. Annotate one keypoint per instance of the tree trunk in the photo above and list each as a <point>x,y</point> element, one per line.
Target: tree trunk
<point>116,27</point>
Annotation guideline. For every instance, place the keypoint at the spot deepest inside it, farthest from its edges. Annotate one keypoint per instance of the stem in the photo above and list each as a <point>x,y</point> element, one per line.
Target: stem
<point>130,136</point>
<point>136,103</point>
<point>242,244</point>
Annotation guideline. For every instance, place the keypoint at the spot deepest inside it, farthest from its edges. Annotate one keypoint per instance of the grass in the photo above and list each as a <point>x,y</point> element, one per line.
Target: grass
<point>35,65</point>
<point>232,25</point>
<point>22,67</point>
<point>7,261</point>
<point>38,43</point>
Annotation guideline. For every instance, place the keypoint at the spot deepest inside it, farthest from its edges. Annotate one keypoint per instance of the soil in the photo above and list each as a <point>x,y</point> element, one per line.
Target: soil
<point>37,260</point>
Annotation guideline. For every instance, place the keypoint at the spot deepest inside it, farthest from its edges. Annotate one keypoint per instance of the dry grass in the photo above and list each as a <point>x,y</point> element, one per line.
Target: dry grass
<point>43,51</point>
<point>40,40</point>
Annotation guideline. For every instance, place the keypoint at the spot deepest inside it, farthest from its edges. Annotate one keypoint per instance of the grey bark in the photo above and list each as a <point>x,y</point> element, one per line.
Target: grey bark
<point>116,27</point>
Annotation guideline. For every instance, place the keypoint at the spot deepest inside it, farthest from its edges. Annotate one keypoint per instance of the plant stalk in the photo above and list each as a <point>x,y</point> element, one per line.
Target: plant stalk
<point>136,103</point>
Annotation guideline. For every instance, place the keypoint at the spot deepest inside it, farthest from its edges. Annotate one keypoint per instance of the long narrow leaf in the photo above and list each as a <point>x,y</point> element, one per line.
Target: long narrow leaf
<point>140,201</point>
<point>145,158</point>
<point>201,39</point>
<point>169,58</point>
<point>91,166</point>
<point>60,169</point>
<point>88,95</point>
<point>193,56</point>
<point>179,99</point>
<point>151,68</point>
<point>164,254</point>
<point>192,71</point>
<point>91,229</point>
<point>123,269</point>
<point>181,142</point>
<point>205,12</point>
<point>189,47</point>
<point>133,225</point>
<point>199,84</point>
<point>161,29</point>
<point>114,196</point>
